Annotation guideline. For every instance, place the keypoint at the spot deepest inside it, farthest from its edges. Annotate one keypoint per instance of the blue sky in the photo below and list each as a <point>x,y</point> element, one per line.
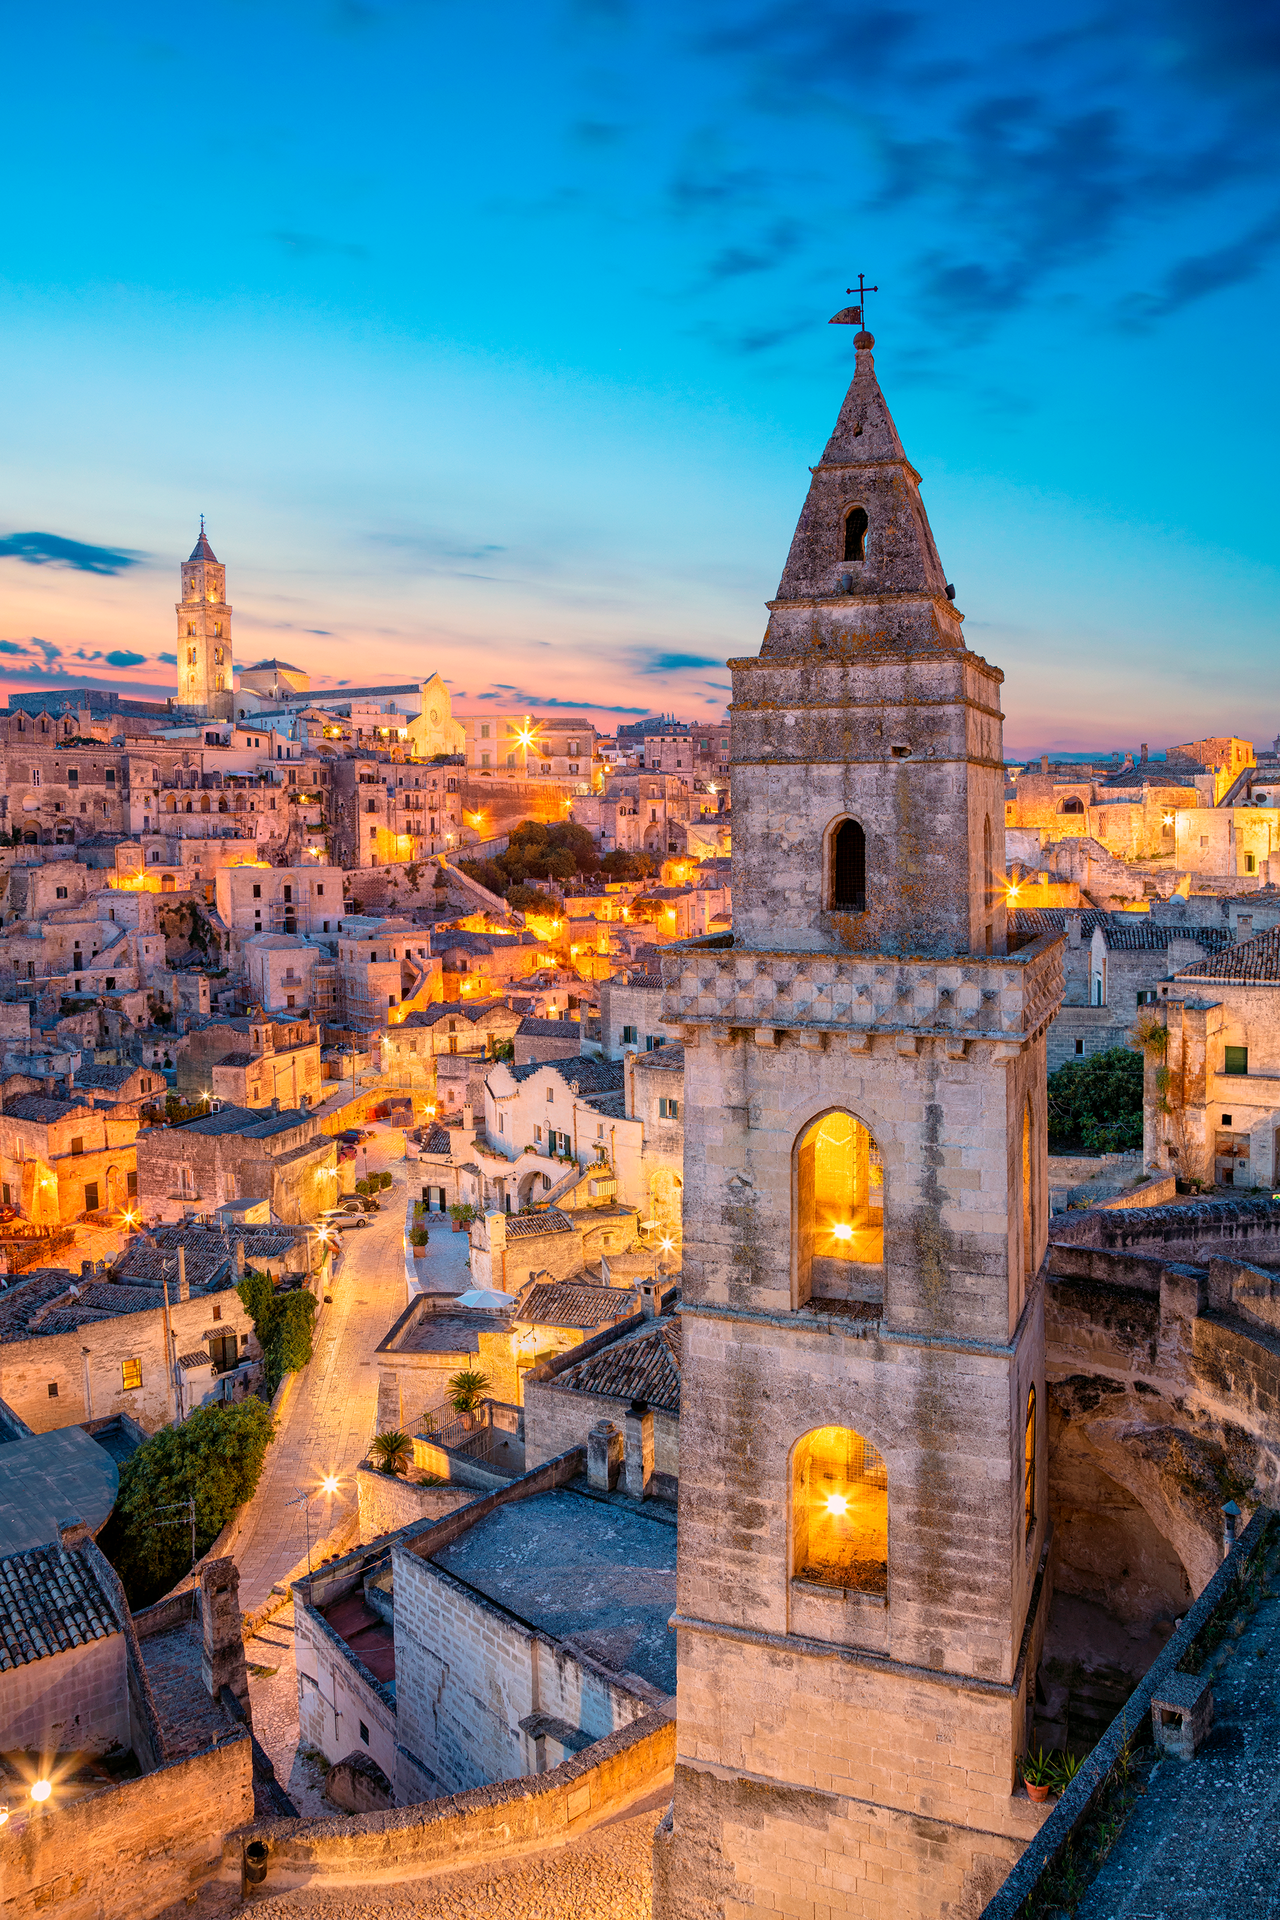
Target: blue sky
<point>494,340</point>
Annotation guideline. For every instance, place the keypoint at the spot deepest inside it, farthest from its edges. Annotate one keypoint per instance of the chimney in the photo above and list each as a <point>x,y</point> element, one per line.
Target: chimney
<point>639,1449</point>
<point>240,1258</point>
<point>1074,925</point>
<point>184,1291</point>
<point>222,1661</point>
<point>72,1534</point>
<point>50,1086</point>
<point>650,1298</point>
<point>275,1103</point>
<point>604,1456</point>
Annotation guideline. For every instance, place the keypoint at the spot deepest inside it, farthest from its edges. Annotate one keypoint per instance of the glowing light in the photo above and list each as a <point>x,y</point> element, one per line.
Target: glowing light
<point>1013,891</point>
<point>1168,819</point>
<point>842,1232</point>
<point>666,1243</point>
<point>837,1503</point>
<point>41,1789</point>
<point>329,1484</point>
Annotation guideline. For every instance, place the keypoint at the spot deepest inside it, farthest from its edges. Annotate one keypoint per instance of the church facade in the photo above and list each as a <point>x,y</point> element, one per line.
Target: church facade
<point>862,1581</point>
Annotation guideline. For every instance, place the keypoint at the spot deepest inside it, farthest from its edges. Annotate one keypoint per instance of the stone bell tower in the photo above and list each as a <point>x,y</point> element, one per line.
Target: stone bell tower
<point>204,634</point>
<point>863,1541</point>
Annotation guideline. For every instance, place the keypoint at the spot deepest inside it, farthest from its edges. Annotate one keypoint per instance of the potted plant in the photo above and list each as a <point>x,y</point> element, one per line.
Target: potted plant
<point>462,1214</point>
<point>1040,1775</point>
<point>466,1390</point>
<point>1065,1768</point>
<point>393,1452</point>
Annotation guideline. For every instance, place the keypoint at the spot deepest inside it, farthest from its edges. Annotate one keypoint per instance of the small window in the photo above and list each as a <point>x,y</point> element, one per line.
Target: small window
<point>628,1036</point>
<point>91,1196</point>
<point>53,1389</point>
<point>1073,805</point>
<point>77,1144</point>
<point>1029,1468</point>
<point>1226,1120</point>
<point>1146,996</point>
<point>668,1109</point>
<point>257,893</point>
<point>848,868</point>
<point>1079,1047</point>
<point>60,893</point>
<point>1250,864</point>
<point>217,1313</point>
<point>131,1185</point>
<point>364,1733</point>
<point>1236,1060</point>
<point>855,534</point>
<point>537,1134</point>
<point>131,1372</point>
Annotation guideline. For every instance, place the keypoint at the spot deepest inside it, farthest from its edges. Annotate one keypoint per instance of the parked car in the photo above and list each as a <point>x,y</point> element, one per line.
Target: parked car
<point>341,1221</point>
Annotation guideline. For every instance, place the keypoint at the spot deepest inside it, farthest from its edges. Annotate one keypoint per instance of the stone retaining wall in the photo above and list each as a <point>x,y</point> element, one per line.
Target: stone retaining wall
<point>133,1850</point>
<point>487,1823</point>
<point>387,1502</point>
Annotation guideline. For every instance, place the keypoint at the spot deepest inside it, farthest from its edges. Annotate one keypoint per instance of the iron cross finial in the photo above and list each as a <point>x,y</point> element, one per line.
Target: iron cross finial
<point>862,290</point>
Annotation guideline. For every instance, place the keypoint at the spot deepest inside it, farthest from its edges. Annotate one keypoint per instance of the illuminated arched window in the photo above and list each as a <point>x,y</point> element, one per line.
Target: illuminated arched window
<point>1029,1466</point>
<point>840,1210</point>
<point>840,1512</point>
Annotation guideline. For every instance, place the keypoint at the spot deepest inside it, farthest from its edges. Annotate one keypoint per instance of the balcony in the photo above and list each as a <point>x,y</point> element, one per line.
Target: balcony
<point>711,982</point>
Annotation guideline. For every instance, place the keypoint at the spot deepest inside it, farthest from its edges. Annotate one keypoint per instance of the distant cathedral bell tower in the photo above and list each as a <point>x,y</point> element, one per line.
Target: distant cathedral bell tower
<point>204,634</point>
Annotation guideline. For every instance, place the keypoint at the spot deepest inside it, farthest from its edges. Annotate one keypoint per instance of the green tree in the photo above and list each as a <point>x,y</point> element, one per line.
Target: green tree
<point>283,1323</point>
<point>215,1457</point>
<point>1095,1105</point>
<point>621,865</point>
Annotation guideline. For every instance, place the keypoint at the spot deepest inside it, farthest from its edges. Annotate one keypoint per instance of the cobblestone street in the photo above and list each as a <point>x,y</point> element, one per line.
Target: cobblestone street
<point>328,1421</point>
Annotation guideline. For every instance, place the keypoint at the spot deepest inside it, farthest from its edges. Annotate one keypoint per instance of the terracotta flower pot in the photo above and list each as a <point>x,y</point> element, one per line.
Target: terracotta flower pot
<point>1038,1793</point>
<point>457,1226</point>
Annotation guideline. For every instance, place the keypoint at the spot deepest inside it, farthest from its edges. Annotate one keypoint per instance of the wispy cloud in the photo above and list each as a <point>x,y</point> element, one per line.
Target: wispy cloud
<point>53,550</point>
<point>314,246</point>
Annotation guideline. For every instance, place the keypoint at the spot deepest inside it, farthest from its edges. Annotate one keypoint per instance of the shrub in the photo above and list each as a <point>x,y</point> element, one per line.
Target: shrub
<point>418,1238</point>
<point>216,1457</point>
<point>362,1187</point>
<point>383,1179</point>
<point>1096,1104</point>
<point>393,1451</point>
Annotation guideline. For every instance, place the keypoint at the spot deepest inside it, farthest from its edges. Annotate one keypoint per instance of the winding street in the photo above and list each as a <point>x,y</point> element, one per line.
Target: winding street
<point>328,1419</point>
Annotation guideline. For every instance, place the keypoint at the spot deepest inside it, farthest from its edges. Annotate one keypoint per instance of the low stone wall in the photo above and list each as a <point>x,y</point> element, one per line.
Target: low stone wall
<point>487,1823</point>
<point>132,1850</point>
<point>1187,1230</point>
<point>1153,1193</point>
<point>387,1502</point>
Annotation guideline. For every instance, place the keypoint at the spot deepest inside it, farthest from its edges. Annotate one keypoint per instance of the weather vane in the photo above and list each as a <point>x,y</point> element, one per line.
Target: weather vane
<point>853,316</point>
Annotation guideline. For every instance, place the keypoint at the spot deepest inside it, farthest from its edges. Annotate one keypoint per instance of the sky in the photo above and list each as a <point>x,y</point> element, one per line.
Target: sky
<point>493,340</point>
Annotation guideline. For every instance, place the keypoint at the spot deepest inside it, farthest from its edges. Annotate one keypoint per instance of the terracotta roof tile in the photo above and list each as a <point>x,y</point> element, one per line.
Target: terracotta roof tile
<point>50,1601</point>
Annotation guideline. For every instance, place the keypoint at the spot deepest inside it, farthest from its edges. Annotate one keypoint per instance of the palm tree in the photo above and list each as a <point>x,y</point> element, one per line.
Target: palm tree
<point>393,1451</point>
<point>466,1390</point>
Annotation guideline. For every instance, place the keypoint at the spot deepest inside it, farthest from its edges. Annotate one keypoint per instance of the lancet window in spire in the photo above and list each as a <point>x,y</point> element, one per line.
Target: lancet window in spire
<point>855,534</point>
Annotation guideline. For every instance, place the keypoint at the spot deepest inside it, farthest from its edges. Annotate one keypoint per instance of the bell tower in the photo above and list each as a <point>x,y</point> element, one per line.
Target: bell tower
<point>863,1545</point>
<point>204,634</point>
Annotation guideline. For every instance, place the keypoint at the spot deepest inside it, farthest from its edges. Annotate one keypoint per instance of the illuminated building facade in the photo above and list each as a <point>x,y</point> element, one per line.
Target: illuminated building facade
<point>862,1582</point>
<point>204,634</point>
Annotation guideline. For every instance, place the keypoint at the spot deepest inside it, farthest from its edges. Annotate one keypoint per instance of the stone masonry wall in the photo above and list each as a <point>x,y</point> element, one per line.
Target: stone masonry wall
<point>388,1502</point>
<point>132,1850</point>
<point>467,1673</point>
<point>337,1695</point>
<point>85,1687</point>
<point>559,1417</point>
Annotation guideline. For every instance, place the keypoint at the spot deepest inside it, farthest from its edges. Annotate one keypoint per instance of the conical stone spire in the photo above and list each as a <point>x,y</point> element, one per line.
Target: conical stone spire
<point>202,550</point>
<point>863,571</point>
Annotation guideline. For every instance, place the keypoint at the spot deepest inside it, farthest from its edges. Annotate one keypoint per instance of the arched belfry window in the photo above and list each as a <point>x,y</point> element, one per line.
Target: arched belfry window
<point>848,889</point>
<point>1073,804</point>
<point>855,534</point>
<point>839,1212</point>
<point>1029,1467</point>
<point>840,1512</point>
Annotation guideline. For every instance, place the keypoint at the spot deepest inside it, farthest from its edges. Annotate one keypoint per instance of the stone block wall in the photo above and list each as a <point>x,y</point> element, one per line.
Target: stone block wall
<point>337,1695</point>
<point>73,1701</point>
<point>467,1673</point>
<point>558,1417</point>
<point>132,1850</point>
<point>388,1502</point>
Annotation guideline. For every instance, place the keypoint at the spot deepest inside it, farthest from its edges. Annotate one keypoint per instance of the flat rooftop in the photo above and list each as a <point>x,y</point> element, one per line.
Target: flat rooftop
<point>598,1574</point>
